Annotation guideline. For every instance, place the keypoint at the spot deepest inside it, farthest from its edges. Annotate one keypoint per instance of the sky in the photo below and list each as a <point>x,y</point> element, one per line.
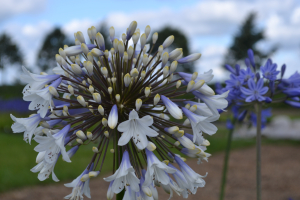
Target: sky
<point>209,25</point>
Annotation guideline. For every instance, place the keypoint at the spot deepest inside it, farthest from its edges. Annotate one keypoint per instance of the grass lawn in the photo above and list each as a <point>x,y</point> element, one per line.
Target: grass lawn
<point>18,157</point>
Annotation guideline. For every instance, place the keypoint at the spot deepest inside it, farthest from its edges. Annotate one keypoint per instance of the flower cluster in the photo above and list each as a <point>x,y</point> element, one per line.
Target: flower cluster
<point>262,85</point>
<point>123,97</point>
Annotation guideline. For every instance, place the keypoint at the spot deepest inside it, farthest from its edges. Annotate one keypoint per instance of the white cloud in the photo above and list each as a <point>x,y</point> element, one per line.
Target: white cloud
<point>29,37</point>
<point>77,25</point>
<point>10,8</point>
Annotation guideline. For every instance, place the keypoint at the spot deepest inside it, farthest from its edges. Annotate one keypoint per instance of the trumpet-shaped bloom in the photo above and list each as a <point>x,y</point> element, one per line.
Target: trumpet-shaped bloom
<point>199,123</point>
<point>255,91</point>
<point>193,179</point>
<point>137,129</point>
<point>181,181</point>
<point>269,70</point>
<point>35,81</point>
<point>79,187</point>
<point>156,170</point>
<point>41,99</point>
<point>124,176</point>
<point>26,125</point>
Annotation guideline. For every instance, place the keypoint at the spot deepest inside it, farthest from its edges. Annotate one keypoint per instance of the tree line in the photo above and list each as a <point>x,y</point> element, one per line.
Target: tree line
<point>246,37</point>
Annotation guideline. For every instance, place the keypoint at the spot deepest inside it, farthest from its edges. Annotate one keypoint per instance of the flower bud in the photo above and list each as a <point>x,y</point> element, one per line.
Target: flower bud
<point>106,54</point>
<point>178,84</point>
<point>168,41</point>
<point>190,86</point>
<point>177,143</point>
<point>198,84</point>
<point>130,52</point>
<point>81,135</point>
<point>79,141</point>
<point>91,89</point>
<point>187,106</point>
<point>125,57</point>
<point>165,71</point>
<point>115,44</point>
<point>53,91</point>
<point>90,57</point>
<point>190,58</point>
<point>104,121</point>
<point>175,53</point>
<point>89,135</point>
<point>112,33</point>
<point>100,41</point>
<point>121,48</point>
<point>147,91</point>
<point>187,122</point>
<point>154,37</point>
<point>106,133</point>
<point>84,48</point>
<point>170,78</point>
<point>62,53</point>
<point>110,90</point>
<point>81,100</point>
<point>93,174</point>
<point>104,71</point>
<point>118,98</point>
<point>156,99</point>
<point>135,38</point>
<point>80,37</point>
<point>205,143</point>
<point>112,151</point>
<point>173,66</point>
<point>123,37</point>
<point>84,178</point>
<point>151,146</point>
<point>138,104</point>
<point>101,110</point>
<point>147,191</point>
<point>143,74</point>
<point>165,58</point>
<point>70,89</point>
<point>96,52</point>
<point>76,69</point>
<point>173,129</point>
<point>131,29</point>
<point>127,80</point>
<point>134,72</point>
<point>97,97</point>
<point>147,31</point>
<point>95,150</point>
<point>160,50</point>
<point>145,59</point>
<point>143,40</point>
<point>89,68</point>
<point>194,76</point>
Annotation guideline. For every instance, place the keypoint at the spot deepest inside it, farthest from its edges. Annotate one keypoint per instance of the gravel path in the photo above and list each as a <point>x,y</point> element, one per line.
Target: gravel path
<point>280,174</point>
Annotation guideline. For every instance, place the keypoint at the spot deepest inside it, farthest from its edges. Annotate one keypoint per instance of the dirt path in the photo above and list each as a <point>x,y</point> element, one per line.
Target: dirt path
<point>280,174</point>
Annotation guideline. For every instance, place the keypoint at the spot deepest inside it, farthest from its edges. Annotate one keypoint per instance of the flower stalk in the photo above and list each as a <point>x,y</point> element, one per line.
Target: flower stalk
<point>258,150</point>
<point>226,159</point>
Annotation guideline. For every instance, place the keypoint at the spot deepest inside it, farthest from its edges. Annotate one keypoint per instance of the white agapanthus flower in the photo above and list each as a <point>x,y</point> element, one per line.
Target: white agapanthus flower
<point>131,96</point>
<point>26,125</point>
<point>137,129</point>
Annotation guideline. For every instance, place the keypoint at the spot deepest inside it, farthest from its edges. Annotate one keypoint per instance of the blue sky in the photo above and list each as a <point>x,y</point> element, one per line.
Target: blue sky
<point>209,24</point>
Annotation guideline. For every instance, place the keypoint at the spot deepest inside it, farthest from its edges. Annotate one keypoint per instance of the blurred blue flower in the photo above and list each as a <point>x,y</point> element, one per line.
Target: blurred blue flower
<point>269,70</point>
<point>255,91</point>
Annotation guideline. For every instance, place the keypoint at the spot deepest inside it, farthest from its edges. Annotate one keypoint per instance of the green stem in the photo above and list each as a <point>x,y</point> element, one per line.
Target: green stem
<point>258,151</point>
<point>225,165</point>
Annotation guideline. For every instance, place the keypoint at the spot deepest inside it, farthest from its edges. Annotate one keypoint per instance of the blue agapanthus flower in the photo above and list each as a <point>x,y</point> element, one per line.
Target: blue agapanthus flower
<point>269,70</point>
<point>255,91</point>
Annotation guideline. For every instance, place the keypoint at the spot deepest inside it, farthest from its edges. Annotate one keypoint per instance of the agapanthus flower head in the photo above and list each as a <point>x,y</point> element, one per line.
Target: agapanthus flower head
<point>125,95</point>
<point>253,85</point>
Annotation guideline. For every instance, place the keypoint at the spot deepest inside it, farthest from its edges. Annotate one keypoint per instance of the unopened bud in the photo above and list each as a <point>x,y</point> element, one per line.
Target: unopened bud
<point>93,174</point>
<point>173,129</point>
<point>156,99</point>
<point>118,98</point>
<point>187,106</point>
<point>138,104</point>
<point>95,150</point>
<point>134,72</point>
<point>166,71</point>
<point>130,52</point>
<point>143,74</point>
<point>173,66</point>
<point>81,135</point>
<point>89,135</point>
<point>164,59</point>
<point>168,41</point>
<point>178,84</point>
<point>194,76</point>
<point>177,143</point>
<point>147,31</point>
<point>76,69</point>
<point>104,121</point>
<point>81,100</point>
<point>175,53</point>
<point>53,91</point>
<point>97,97</point>
<point>79,141</point>
<point>147,91</point>
<point>151,146</point>
<point>101,110</point>
<point>190,86</point>
<point>127,80</point>
<point>106,133</point>
<point>85,178</point>
<point>110,90</point>
<point>154,37</point>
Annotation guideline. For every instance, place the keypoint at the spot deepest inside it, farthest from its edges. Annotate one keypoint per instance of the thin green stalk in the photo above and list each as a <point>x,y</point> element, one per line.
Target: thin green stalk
<point>258,151</point>
<point>225,165</point>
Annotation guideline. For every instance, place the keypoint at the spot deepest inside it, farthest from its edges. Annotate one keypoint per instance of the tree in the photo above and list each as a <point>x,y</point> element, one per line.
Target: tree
<point>247,38</point>
<point>180,41</point>
<point>10,53</point>
<point>53,41</point>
